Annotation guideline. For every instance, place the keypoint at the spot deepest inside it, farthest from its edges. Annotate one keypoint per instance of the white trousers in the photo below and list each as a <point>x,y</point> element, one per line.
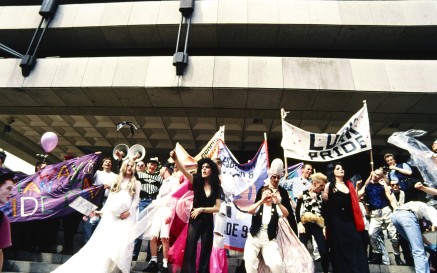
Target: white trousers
<point>269,250</point>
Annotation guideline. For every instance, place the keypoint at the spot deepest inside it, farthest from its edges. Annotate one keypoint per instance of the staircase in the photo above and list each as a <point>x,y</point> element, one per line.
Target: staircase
<point>29,262</point>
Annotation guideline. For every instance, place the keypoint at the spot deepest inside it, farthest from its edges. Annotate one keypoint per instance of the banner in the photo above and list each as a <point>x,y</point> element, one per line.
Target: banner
<point>209,151</point>
<point>293,171</point>
<point>352,138</point>
<point>240,182</point>
<point>211,148</point>
<point>49,192</point>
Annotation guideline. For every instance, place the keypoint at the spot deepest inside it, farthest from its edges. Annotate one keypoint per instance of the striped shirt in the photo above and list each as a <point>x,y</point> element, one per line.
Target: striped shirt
<point>150,184</point>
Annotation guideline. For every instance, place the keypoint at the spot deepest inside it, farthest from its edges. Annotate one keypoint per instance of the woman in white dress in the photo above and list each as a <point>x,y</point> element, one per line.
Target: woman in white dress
<point>109,249</point>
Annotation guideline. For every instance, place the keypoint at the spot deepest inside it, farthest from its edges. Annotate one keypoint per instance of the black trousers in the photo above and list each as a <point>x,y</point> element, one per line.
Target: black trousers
<point>203,229</point>
<point>312,229</point>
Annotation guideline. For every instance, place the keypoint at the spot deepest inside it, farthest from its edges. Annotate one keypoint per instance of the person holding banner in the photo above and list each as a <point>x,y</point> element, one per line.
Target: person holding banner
<point>270,234</point>
<point>344,223</point>
<point>6,184</point>
<point>206,202</point>
<point>110,248</point>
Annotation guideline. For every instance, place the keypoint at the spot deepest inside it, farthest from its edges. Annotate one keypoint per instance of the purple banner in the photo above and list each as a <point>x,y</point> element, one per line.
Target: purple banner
<point>47,193</point>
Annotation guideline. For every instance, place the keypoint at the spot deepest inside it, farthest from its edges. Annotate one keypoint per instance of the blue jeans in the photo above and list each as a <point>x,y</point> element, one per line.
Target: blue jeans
<point>144,203</point>
<point>88,229</point>
<point>408,227</point>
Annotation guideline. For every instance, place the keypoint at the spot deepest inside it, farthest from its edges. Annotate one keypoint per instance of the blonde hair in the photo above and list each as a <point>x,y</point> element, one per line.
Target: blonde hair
<point>131,185</point>
<point>319,177</point>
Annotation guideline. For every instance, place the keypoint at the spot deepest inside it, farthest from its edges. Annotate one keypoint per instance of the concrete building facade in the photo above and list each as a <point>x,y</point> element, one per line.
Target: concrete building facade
<point>101,63</point>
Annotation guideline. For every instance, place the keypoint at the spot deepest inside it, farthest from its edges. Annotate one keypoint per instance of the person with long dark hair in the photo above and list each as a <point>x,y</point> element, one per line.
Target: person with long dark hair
<point>344,223</point>
<point>206,202</point>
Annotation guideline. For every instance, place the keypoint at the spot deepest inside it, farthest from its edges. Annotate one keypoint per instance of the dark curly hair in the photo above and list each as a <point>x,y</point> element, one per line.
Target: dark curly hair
<point>330,173</point>
<point>214,179</point>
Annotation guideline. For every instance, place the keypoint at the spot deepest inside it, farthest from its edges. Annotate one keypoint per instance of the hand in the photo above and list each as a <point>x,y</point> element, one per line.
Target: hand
<point>359,183</point>
<point>124,215</point>
<point>98,152</point>
<point>266,196</point>
<point>196,212</point>
<point>275,199</point>
<point>173,155</point>
<point>419,185</point>
<point>167,220</point>
<point>118,154</point>
<point>300,228</point>
<point>392,167</point>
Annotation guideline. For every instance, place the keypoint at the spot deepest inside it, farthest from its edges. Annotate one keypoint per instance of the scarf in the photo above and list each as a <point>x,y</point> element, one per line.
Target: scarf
<point>358,217</point>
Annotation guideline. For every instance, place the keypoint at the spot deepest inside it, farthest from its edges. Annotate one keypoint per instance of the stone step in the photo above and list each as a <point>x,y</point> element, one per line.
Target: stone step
<point>47,262</point>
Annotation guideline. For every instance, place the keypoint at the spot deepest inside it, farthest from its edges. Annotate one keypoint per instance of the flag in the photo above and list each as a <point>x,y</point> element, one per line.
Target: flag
<point>240,183</point>
<point>49,192</point>
<point>209,151</point>
<point>352,138</point>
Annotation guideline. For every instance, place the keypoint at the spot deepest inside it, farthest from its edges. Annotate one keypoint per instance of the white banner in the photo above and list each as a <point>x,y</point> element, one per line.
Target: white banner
<point>211,148</point>
<point>240,183</point>
<point>352,138</point>
<point>209,151</point>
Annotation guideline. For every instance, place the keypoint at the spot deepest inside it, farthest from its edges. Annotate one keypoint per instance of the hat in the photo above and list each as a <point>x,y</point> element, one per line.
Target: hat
<point>276,168</point>
<point>154,160</point>
<point>169,166</point>
<point>435,141</point>
<point>9,175</point>
<point>2,155</point>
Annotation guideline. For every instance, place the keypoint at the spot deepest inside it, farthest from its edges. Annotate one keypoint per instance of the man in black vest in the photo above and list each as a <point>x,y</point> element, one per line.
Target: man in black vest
<point>400,172</point>
<point>271,203</point>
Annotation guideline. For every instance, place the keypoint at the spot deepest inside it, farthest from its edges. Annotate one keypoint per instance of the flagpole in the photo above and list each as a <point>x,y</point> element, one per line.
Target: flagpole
<point>371,150</point>
<point>283,115</point>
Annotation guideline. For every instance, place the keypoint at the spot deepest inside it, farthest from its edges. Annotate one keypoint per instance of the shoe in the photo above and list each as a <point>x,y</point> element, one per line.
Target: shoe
<point>376,259</point>
<point>399,261</point>
<point>163,269</point>
<point>134,258</point>
<point>152,267</point>
<point>318,260</point>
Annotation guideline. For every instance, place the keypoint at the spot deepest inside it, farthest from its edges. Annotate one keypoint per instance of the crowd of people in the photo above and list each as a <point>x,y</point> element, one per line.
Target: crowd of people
<point>181,210</point>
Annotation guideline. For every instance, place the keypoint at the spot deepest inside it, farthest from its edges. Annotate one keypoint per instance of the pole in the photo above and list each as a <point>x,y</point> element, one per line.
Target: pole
<point>371,150</point>
<point>283,115</point>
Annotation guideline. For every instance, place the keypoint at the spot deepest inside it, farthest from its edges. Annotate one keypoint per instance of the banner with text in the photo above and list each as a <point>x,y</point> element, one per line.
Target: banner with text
<point>49,192</point>
<point>210,151</point>
<point>352,138</point>
<point>240,182</point>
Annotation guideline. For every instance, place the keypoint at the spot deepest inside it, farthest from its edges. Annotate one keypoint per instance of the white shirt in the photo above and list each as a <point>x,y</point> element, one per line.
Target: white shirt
<point>421,210</point>
<point>103,177</point>
<point>300,185</point>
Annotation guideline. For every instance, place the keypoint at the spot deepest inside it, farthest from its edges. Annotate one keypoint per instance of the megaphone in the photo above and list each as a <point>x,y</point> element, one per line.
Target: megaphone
<point>137,151</point>
<point>123,149</point>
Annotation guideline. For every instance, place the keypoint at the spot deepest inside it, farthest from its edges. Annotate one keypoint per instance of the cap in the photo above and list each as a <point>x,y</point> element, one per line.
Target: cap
<point>169,166</point>
<point>2,155</point>
<point>154,160</point>
<point>9,175</point>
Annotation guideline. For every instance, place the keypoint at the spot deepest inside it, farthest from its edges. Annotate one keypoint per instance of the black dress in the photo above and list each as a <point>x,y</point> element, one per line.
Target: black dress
<point>346,243</point>
<point>202,227</point>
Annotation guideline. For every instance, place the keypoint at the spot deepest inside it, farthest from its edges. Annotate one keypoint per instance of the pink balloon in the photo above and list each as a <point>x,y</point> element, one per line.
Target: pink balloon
<point>49,141</point>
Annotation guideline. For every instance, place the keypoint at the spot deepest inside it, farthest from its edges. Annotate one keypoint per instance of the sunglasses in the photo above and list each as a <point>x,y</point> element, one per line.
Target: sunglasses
<point>141,165</point>
<point>394,185</point>
<point>276,177</point>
